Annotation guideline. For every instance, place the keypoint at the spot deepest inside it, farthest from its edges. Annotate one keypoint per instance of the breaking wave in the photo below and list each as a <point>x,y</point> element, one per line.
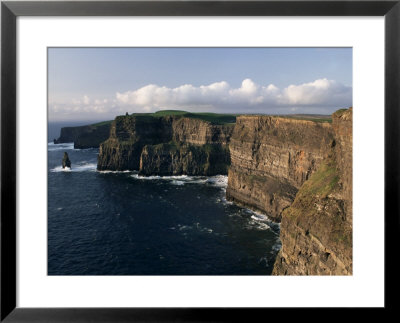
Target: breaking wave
<point>84,167</point>
<point>114,171</point>
<point>256,220</point>
<point>54,147</point>
<point>261,221</point>
<point>218,180</point>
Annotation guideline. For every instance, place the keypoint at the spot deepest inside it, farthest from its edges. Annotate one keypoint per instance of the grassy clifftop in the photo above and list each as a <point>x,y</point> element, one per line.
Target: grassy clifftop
<point>214,118</point>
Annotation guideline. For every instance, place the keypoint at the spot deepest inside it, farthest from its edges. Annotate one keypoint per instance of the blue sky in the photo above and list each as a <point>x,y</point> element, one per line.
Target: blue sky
<point>100,83</point>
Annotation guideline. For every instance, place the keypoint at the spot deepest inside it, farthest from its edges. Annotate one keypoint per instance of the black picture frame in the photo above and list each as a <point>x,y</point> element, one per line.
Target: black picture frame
<point>10,10</point>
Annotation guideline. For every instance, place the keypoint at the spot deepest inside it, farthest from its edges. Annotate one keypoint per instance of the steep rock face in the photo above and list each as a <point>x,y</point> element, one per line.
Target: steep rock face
<point>69,134</point>
<point>342,123</point>
<point>128,136</point>
<point>89,136</point>
<point>271,157</point>
<point>166,145</point>
<point>316,230</point>
<point>173,159</point>
<point>198,132</point>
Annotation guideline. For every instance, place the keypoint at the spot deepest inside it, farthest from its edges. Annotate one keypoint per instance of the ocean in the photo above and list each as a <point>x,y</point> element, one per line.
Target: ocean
<point>119,223</point>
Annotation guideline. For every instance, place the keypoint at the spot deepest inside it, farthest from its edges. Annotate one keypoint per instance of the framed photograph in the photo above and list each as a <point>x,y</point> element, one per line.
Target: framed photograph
<point>195,160</point>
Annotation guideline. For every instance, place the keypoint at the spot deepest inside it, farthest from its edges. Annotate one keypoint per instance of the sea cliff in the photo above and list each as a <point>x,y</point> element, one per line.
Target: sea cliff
<point>298,172</point>
<point>271,157</point>
<point>89,136</point>
<point>166,145</point>
<point>316,230</point>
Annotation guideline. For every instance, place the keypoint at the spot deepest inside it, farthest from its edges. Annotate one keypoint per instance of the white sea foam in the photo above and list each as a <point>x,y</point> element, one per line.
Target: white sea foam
<point>84,167</point>
<point>179,183</point>
<point>157,177</point>
<point>137,176</point>
<point>184,227</point>
<point>181,177</point>
<point>114,171</point>
<point>218,180</point>
<point>261,221</point>
<point>255,223</point>
<point>65,146</point>
<point>277,246</point>
<point>259,216</point>
<point>196,226</point>
<point>225,201</point>
<point>60,169</point>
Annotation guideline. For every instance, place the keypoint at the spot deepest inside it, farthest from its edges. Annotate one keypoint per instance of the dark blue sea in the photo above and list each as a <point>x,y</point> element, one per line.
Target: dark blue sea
<point>119,223</point>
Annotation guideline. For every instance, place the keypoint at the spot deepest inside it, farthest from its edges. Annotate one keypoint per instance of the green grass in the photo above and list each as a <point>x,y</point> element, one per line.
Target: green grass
<point>222,118</point>
<point>318,210</point>
<point>214,118</point>
<point>102,123</point>
<point>326,119</point>
<point>169,113</point>
<point>323,181</point>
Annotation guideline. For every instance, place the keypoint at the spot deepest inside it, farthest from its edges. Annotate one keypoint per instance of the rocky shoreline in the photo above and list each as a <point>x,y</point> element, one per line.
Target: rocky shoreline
<point>298,172</point>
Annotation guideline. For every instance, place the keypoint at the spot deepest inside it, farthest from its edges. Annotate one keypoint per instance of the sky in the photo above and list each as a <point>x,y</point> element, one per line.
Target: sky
<point>97,84</point>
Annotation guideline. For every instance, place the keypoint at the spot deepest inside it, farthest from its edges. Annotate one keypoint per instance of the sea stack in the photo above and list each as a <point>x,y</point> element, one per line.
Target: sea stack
<point>65,161</point>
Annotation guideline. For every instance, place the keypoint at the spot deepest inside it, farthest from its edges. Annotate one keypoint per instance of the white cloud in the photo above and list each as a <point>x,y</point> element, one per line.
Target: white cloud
<point>83,108</point>
<point>320,96</point>
<point>86,100</point>
<point>320,93</point>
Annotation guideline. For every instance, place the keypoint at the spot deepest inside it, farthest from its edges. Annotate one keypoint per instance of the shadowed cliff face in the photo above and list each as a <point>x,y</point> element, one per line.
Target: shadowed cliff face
<point>316,230</point>
<point>175,159</point>
<point>128,136</point>
<point>89,136</point>
<point>271,157</point>
<point>168,145</point>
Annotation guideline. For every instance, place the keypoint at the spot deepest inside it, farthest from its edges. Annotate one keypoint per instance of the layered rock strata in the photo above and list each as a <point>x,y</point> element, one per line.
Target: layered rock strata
<point>271,157</point>
<point>177,159</point>
<point>316,230</point>
<point>169,145</point>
